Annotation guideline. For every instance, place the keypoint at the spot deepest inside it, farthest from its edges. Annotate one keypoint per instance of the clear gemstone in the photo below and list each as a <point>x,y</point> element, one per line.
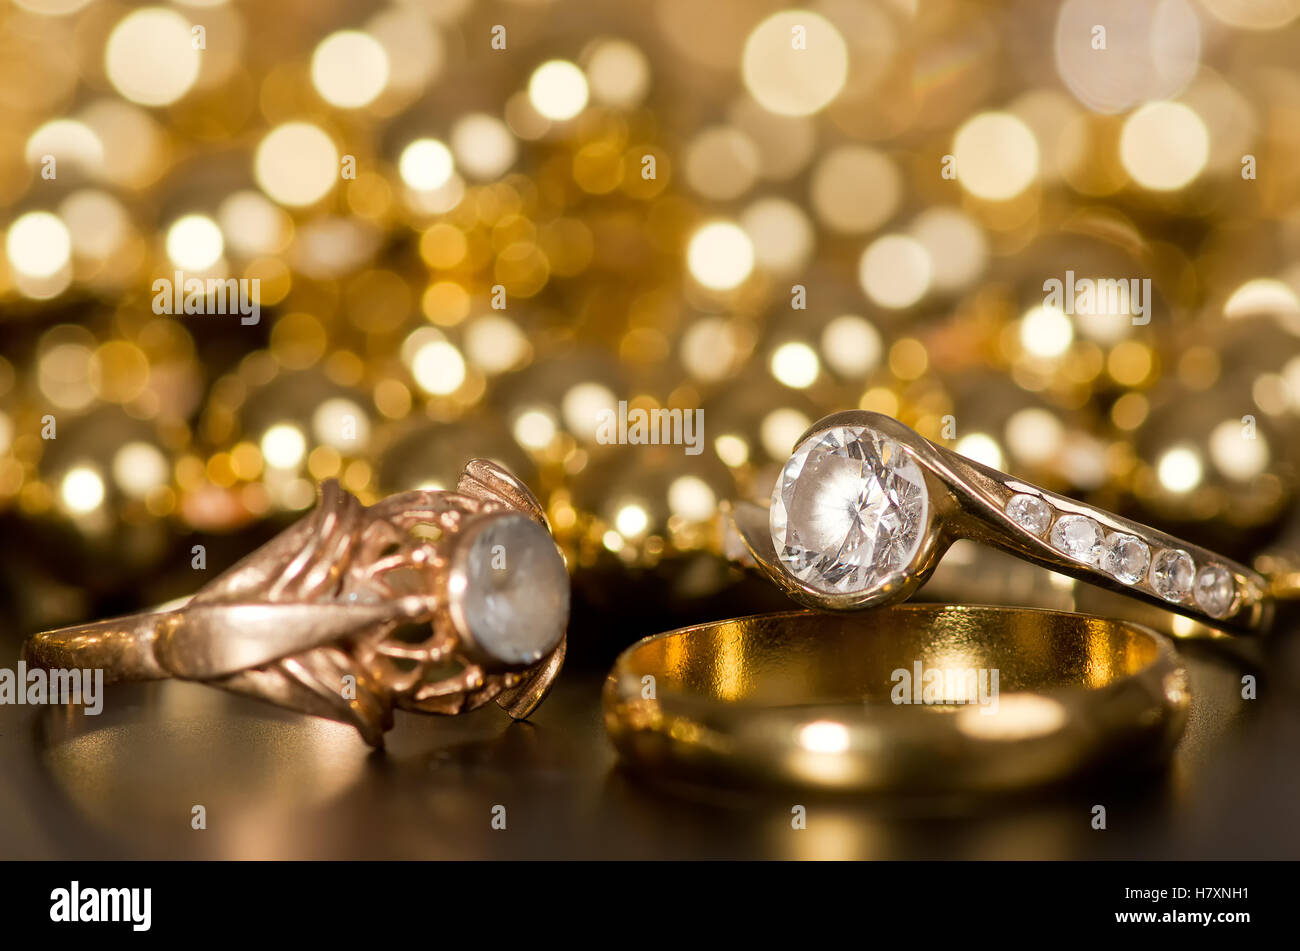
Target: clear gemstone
<point>1077,536</point>
<point>1171,574</point>
<point>1030,513</point>
<point>848,510</point>
<point>1126,557</point>
<point>515,599</point>
<point>1215,590</point>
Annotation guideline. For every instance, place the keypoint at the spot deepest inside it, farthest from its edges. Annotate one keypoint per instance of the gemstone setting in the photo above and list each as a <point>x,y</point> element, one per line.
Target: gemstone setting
<point>1029,512</point>
<point>849,511</point>
<point>1077,537</point>
<point>1215,590</point>
<point>1125,557</point>
<point>1171,574</point>
<point>510,589</point>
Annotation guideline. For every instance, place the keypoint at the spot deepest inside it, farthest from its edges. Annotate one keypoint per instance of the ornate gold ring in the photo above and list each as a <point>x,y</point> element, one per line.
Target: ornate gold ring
<point>429,601</point>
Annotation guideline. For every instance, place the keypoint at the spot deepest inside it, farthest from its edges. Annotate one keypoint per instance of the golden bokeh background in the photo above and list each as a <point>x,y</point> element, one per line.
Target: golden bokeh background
<point>474,226</point>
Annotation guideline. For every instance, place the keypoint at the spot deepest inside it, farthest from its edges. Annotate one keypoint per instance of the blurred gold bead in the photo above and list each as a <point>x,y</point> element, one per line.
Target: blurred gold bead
<point>1129,363</point>
<point>246,461</point>
<point>598,168</point>
<point>445,303</point>
<point>324,462</point>
<point>370,196</point>
<point>190,472</point>
<point>392,398</point>
<point>908,359</point>
<point>298,341</point>
<point>1129,411</point>
<point>443,246</point>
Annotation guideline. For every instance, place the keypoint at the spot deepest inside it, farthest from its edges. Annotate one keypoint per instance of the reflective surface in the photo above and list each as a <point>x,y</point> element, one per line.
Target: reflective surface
<point>276,784</point>
<point>915,698</point>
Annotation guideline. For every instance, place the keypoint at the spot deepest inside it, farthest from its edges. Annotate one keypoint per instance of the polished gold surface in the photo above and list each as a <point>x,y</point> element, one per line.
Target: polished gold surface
<point>807,699</point>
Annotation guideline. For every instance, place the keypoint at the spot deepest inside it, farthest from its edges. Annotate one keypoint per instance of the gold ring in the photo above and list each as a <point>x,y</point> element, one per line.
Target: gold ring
<point>429,601</point>
<point>1004,698</point>
<point>865,508</point>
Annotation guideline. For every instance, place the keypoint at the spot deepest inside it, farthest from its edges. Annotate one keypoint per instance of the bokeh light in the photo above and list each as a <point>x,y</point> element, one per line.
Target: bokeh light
<point>956,246</point>
<point>1151,50</point>
<point>283,446</point>
<point>895,271</point>
<point>618,73</point>
<point>782,236</point>
<point>1179,469</point>
<point>296,164</point>
<point>98,223</point>
<point>426,165</point>
<point>558,90</point>
<point>438,368</point>
<point>855,189</point>
<point>38,244</point>
<point>996,156</point>
<point>483,146</point>
<point>69,141</point>
<point>795,364</point>
<point>1164,145</point>
<point>795,62</point>
<point>82,489</point>
<point>150,57</point>
<point>1046,332</point>
<point>139,468</point>
<point>194,242</point>
<point>349,69</point>
<point>851,345</point>
<point>722,163</point>
<point>720,255</point>
<point>536,428</point>
<point>980,447</point>
<point>1237,452</point>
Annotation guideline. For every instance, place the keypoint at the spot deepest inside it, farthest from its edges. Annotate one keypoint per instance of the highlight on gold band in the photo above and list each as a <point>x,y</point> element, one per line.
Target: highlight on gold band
<point>905,699</point>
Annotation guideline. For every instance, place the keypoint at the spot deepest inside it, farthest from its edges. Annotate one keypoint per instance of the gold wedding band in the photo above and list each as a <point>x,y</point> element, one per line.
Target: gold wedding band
<point>915,698</point>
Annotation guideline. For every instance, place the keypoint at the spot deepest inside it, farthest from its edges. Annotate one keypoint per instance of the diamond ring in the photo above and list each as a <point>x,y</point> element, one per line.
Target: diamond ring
<point>865,508</point>
<point>429,601</point>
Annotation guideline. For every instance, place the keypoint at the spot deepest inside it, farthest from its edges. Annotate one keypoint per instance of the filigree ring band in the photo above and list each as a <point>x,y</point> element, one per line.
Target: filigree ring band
<point>429,601</point>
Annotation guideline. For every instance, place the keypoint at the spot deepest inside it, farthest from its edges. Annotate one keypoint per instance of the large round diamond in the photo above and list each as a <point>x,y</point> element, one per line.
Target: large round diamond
<point>848,510</point>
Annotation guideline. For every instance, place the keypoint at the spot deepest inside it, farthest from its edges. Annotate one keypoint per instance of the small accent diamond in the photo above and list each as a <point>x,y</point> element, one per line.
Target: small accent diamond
<point>1126,557</point>
<point>1215,590</point>
<point>1077,536</point>
<point>1029,512</point>
<point>1171,574</point>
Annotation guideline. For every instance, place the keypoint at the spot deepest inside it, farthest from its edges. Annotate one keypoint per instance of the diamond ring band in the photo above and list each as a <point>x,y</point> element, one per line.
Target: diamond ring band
<point>865,508</point>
